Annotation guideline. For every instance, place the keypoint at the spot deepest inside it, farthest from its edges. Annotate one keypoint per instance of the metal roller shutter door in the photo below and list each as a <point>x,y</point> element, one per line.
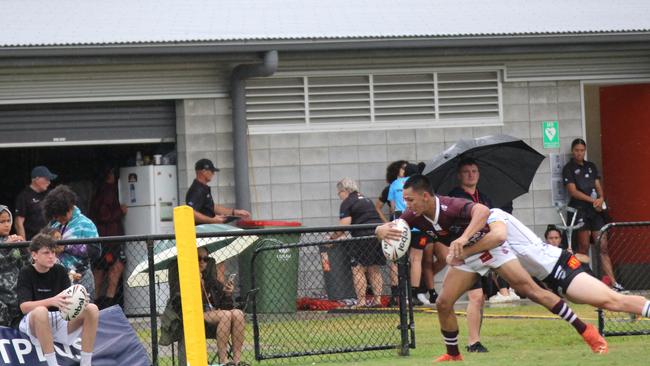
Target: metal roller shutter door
<point>87,123</point>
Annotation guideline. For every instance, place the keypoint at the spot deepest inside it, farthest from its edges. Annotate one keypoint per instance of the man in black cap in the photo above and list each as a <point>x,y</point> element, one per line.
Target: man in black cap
<point>29,213</point>
<point>199,197</point>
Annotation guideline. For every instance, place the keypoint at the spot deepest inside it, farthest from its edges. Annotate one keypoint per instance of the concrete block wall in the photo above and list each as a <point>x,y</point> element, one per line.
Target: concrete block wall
<point>525,106</point>
<point>204,130</point>
<point>293,176</point>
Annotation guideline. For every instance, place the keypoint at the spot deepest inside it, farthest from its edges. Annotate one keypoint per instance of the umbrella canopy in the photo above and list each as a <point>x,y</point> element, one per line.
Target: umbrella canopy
<point>220,248</point>
<point>507,166</point>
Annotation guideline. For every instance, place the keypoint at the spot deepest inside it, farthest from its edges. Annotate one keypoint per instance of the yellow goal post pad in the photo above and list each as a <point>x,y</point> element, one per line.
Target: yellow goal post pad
<point>190,283</point>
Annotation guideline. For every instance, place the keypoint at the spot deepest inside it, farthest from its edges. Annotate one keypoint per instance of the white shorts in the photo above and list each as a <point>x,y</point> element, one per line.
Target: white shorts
<point>537,257</point>
<point>59,329</point>
<point>481,263</point>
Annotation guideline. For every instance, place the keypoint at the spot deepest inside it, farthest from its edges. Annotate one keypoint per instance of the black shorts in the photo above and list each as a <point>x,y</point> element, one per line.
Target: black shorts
<point>111,253</point>
<point>365,252</point>
<point>419,240</point>
<point>565,270</point>
<point>592,219</point>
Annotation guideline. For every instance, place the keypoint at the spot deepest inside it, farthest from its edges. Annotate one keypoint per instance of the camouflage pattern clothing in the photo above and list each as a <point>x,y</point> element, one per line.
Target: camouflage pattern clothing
<point>11,261</point>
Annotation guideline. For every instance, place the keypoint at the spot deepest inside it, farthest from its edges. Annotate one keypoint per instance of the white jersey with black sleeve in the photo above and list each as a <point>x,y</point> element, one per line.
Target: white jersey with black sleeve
<point>537,257</point>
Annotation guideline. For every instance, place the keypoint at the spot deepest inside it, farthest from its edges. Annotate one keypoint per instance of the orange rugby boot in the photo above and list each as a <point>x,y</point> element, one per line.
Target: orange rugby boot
<point>447,357</point>
<point>597,343</point>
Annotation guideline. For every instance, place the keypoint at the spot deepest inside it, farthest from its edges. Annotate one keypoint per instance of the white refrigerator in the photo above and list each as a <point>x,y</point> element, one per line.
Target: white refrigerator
<point>151,193</point>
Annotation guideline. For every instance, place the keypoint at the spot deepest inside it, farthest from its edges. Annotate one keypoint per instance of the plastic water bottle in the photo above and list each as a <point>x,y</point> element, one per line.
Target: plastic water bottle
<point>138,159</point>
<point>594,195</point>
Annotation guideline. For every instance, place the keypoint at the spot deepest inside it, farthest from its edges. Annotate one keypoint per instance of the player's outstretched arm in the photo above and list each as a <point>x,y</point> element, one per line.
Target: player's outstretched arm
<point>479,216</point>
<point>497,235</point>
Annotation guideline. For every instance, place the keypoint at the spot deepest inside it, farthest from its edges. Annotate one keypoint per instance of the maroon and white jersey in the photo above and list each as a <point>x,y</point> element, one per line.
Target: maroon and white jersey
<point>453,215</point>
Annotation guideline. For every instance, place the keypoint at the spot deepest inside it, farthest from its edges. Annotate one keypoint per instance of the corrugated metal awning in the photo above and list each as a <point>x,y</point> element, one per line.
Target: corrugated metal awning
<point>125,22</point>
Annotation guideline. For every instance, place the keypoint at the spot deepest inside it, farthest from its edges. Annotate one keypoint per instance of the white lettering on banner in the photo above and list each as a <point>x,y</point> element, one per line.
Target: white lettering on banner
<point>65,352</point>
<point>27,348</point>
<point>3,351</point>
<point>39,353</point>
<point>22,347</point>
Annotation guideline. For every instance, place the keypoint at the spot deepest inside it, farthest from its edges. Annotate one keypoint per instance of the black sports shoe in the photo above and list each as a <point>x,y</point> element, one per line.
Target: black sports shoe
<point>476,347</point>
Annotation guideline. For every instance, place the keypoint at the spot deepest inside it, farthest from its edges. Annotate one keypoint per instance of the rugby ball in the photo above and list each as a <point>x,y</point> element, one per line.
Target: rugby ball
<point>395,249</point>
<point>78,297</point>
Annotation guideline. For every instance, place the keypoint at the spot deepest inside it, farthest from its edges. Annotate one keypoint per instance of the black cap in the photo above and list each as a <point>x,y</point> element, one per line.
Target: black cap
<point>205,164</point>
<point>43,171</point>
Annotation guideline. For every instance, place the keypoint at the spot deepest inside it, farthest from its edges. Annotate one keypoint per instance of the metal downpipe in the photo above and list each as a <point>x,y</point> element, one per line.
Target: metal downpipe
<point>239,126</point>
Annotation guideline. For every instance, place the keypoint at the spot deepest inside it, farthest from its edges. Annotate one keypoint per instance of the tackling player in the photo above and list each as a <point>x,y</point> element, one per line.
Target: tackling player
<point>559,269</point>
<point>465,222</point>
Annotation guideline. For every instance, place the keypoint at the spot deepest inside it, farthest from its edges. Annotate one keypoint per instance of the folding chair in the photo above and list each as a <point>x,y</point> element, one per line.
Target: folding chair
<point>211,333</point>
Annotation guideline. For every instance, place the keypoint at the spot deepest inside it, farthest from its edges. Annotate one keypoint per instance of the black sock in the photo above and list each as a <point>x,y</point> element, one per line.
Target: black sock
<point>415,291</point>
<point>564,311</point>
<point>433,295</point>
<point>451,341</point>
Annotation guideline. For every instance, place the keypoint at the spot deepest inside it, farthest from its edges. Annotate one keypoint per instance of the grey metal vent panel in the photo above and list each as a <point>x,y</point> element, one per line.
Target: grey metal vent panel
<point>83,123</point>
<point>383,97</point>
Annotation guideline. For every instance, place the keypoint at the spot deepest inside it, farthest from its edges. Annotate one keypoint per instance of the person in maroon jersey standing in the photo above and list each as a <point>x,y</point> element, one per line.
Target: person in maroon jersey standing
<point>461,222</point>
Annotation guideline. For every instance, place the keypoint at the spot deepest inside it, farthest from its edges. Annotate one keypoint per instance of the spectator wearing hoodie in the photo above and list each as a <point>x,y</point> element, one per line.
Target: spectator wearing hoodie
<point>59,207</point>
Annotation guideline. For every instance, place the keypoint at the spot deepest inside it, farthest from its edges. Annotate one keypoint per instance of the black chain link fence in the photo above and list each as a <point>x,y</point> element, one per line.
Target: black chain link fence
<point>629,249</point>
<point>313,296</point>
<point>297,292</point>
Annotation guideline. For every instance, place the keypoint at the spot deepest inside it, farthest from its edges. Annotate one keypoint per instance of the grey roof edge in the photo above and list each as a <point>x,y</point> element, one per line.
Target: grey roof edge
<point>528,43</point>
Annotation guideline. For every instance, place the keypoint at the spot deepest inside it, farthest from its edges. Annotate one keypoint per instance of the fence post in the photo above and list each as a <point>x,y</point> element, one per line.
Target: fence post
<point>402,278</point>
<point>252,292</point>
<point>596,260</point>
<point>152,304</point>
<point>597,269</point>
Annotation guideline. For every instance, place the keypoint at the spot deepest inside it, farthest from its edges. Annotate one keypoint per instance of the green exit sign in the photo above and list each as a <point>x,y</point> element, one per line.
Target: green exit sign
<point>551,134</point>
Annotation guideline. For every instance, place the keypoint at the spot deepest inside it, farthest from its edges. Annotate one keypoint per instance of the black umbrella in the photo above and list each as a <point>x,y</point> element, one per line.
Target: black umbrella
<point>507,166</point>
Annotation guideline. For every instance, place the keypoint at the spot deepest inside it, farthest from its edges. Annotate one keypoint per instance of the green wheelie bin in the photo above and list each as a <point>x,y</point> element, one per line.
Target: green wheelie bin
<point>276,270</point>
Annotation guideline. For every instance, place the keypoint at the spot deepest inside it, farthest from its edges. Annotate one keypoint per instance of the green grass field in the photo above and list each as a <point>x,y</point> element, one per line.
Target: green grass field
<point>515,335</point>
<point>538,341</point>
